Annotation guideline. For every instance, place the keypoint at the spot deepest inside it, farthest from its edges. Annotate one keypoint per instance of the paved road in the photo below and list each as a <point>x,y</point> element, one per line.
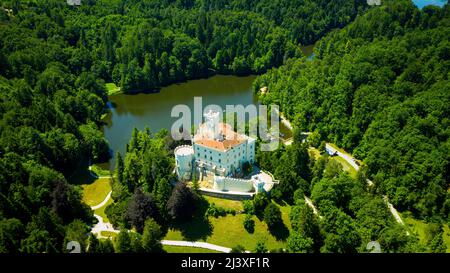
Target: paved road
<point>197,244</point>
<point>311,205</point>
<point>352,161</point>
<point>101,225</point>
<point>393,211</point>
<point>103,202</point>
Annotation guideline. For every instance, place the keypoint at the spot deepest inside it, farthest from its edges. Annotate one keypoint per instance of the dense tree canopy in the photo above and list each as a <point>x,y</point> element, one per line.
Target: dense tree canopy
<point>379,88</point>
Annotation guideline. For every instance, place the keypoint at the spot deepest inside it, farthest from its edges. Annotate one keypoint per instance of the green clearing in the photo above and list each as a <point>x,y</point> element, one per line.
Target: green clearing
<point>447,237</point>
<point>99,171</point>
<point>95,193</point>
<point>109,234</point>
<point>187,249</point>
<point>418,227</point>
<point>346,166</point>
<point>101,211</point>
<point>112,88</point>
<point>344,152</point>
<point>314,153</point>
<point>224,203</point>
<point>229,231</point>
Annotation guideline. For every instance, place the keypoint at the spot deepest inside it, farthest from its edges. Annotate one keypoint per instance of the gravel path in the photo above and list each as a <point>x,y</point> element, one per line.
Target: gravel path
<point>197,244</point>
<point>103,202</point>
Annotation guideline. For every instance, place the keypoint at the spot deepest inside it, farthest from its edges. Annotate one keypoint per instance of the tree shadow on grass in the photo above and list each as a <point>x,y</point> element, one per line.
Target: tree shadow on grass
<point>279,231</point>
<point>80,176</point>
<point>199,227</point>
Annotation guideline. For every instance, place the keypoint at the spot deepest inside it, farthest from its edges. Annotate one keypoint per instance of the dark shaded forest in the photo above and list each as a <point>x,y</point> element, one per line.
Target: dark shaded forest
<point>378,86</point>
<point>55,60</point>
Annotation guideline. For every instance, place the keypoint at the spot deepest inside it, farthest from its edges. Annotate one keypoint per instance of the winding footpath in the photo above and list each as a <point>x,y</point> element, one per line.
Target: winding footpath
<point>103,202</point>
<point>101,225</point>
<point>197,244</point>
<point>108,227</point>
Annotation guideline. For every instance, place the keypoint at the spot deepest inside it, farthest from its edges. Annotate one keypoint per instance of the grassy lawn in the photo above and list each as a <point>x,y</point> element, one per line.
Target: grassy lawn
<point>344,152</point>
<point>112,88</point>
<point>109,234</point>
<point>186,249</point>
<point>224,203</point>
<point>229,231</point>
<point>95,193</point>
<point>345,166</point>
<point>101,211</point>
<point>314,152</point>
<point>447,237</point>
<point>99,171</point>
<point>418,227</point>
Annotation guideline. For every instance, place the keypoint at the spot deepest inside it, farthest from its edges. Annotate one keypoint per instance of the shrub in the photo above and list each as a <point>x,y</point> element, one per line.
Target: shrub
<point>260,202</point>
<point>272,215</point>
<point>249,223</point>
<point>238,249</point>
<point>216,211</point>
<point>249,208</point>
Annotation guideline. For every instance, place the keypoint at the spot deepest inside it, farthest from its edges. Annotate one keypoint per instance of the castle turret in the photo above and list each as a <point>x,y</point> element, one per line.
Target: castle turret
<point>184,156</point>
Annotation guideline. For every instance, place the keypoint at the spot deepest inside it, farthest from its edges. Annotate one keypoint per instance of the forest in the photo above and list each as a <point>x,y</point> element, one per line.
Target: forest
<point>377,86</point>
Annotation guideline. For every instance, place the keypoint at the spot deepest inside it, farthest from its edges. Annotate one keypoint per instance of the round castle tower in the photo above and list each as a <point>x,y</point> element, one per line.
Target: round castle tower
<point>184,156</point>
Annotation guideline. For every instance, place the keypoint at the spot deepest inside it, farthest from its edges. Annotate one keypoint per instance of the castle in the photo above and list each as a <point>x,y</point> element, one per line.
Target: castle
<point>220,152</point>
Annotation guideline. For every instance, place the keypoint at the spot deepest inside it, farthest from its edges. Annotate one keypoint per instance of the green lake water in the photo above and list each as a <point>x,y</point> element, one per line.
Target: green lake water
<point>154,109</point>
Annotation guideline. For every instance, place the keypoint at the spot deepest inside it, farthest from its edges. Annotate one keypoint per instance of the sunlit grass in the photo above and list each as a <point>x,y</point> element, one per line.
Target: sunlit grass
<point>112,88</point>
<point>344,152</point>
<point>109,234</point>
<point>418,227</point>
<point>314,152</point>
<point>187,249</point>
<point>101,211</point>
<point>225,203</point>
<point>346,166</point>
<point>229,231</point>
<point>95,193</point>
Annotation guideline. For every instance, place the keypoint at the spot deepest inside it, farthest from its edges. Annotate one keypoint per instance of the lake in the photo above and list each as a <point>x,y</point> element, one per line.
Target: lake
<point>422,3</point>
<point>154,109</point>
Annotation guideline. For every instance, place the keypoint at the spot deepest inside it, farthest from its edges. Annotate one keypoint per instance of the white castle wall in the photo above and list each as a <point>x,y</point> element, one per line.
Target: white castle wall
<point>232,184</point>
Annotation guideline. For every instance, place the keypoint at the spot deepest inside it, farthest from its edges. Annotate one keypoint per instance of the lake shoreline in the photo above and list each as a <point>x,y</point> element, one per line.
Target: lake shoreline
<point>158,90</point>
